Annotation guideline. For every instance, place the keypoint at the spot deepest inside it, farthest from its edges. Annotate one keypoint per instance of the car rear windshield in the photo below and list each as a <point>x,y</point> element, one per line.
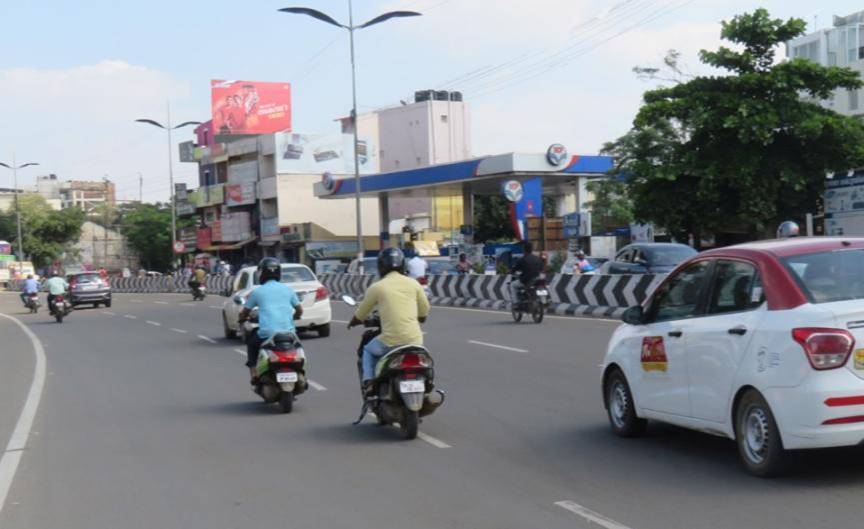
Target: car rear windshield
<point>829,276</point>
<point>87,278</point>
<point>669,256</point>
<point>439,267</point>
<point>291,274</point>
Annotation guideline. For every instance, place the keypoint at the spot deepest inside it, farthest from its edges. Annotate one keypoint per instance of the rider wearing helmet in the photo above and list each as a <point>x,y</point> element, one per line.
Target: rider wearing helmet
<point>278,307</point>
<point>788,229</point>
<point>583,265</point>
<point>56,286</point>
<point>402,306</point>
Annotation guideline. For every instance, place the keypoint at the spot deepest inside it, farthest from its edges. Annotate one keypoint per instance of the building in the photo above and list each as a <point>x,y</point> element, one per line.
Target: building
<point>76,193</point>
<point>100,247</point>
<point>7,199</point>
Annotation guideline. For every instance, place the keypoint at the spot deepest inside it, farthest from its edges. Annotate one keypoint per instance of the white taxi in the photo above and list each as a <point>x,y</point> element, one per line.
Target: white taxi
<point>314,298</point>
<point>762,343</point>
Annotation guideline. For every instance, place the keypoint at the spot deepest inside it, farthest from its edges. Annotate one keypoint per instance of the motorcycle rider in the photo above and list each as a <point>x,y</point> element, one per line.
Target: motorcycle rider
<point>56,286</point>
<point>583,265</point>
<point>30,286</point>
<point>278,307</point>
<point>530,266</point>
<point>198,278</point>
<point>402,306</point>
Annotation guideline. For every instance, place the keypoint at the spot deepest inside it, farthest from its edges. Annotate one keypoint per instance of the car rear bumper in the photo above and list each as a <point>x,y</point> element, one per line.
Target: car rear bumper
<point>315,316</point>
<point>826,411</point>
<point>89,297</point>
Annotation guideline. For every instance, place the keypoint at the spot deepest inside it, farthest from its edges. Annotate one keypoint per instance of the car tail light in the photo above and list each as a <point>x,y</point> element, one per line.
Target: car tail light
<point>825,348</point>
<point>321,294</point>
<point>284,356</point>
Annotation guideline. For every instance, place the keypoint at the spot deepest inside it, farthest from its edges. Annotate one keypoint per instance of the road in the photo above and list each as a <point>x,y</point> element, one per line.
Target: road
<point>147,420</point>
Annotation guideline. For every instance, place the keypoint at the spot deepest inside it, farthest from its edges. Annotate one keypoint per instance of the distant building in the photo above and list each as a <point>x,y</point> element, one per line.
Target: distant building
<point>98,247</point>
<point>77,193</point>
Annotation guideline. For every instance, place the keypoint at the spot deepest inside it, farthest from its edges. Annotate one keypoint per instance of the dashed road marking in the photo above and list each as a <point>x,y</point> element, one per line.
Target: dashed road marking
<point>136,301</point>
<point>188,304</point>
<point>206,338</point>
<point>317,386</point>
<point>433,441</point>
<point>108,313</point>
<point>215,307</point>
<point>339,321</point>
<point>504,347</point>
<point>179,330</point>
<point>240,351</point>
<point>154,323</point>
<point>131,317</point>
<point>161,302</point>
<point>591,516</point>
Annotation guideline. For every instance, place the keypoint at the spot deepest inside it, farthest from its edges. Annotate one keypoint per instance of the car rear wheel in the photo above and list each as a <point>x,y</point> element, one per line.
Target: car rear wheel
<point>229,334</point>
<point>108,303</point>
<point>324,330</point>
<point>758,437</point>
<point>621,409</point>
<point>516,313</point>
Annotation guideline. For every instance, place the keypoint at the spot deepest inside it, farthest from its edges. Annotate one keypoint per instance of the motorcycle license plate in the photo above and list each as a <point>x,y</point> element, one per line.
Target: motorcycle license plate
<point>542,292</point>
<point>289,376</point>
<point>412,386</point>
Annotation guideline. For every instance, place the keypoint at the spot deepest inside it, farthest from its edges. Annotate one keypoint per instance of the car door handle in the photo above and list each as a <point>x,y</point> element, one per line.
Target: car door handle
<point>675,334</point>
<point>740,331</point>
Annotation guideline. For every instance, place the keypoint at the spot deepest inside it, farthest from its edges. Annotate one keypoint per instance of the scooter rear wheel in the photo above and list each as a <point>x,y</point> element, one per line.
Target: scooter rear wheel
<point>59,317</point>
<point>538,313</point>
<point>286,402</point>
<point>516,313</point>
<point>410,424</point>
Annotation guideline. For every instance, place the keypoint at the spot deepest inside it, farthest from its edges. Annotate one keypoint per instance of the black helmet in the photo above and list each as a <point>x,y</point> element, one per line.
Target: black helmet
<point>269,268</point>
<point>389,260</point>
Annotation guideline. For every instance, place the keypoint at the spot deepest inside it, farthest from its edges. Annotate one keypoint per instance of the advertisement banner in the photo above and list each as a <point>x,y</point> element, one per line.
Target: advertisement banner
<point>216,230</point>
<point>5,248</point>
<point>235,226</point>
<point>530,204</point>
<point>270,229</point>
<point>180,192</point>
<point>331,249</point>
<point>204,237</point>
<point>185,209</point>
<point>319,153</point>
<point>189,236</point>
<point>241,173</point>
<point>240,194</point>
<point>187,151</point>
<point>250,107</point>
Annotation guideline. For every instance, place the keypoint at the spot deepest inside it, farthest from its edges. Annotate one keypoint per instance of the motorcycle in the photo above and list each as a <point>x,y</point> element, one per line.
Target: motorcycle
<point>60,308</point>
<point>403,389</point>
<point>32,303</point>
<point>199,293</point>
<point>281,370</point>
<point>531,299</point>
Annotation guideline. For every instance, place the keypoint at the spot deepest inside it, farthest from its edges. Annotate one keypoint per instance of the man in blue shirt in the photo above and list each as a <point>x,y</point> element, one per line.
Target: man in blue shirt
<point>30,286</point>
<point>278,307</point>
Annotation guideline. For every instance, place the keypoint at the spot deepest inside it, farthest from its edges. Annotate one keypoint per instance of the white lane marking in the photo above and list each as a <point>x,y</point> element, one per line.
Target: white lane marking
<point>240,351</point>
<point>206,338</point>
<point>339,321</point>
<point>514,349</point>
<point>433,441</point>
<point>18,442</point>
<point>136,301</point>
<point>590,515</point>
<point>154,323</point>
<point>315,385</point>
<point>215,307</point>
<point>188,304</point>
<point>179,330</point>
<point>548,316</point>
<point>161,302</point>
<point>108,313</point>
<point>131,317</point>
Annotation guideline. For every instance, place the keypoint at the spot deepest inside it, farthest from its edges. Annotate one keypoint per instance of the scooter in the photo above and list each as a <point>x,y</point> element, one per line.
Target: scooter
<point>61,308</point>
<point>281,370</point>
<point>199,293</point>
<point>403,390</point>
<point>32,302</point>
<point>531,299</point>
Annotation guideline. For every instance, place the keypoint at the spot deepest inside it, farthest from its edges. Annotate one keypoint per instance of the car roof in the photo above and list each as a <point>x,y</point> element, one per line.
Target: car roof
<point>650,245</point>
<point>789,247</point>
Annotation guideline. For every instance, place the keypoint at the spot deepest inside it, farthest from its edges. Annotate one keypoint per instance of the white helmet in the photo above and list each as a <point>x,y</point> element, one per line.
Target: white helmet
<point>788,229</point>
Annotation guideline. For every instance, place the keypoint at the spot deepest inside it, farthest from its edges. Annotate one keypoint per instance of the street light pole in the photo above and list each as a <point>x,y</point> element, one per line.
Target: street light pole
<point>15,168</point>
<point>351,28</point>
<point>169,128</point>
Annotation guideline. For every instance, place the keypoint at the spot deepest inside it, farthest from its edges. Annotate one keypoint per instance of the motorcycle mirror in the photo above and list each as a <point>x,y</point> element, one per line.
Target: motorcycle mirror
<point>238,300</point>
<point>349,300</point>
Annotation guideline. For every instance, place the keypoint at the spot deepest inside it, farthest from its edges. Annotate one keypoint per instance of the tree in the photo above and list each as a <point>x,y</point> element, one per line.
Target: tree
<point>738,153</point>
<point>47,233</point>
<point>492,219</point>
<point>147,227</point>
<point>611,207</point>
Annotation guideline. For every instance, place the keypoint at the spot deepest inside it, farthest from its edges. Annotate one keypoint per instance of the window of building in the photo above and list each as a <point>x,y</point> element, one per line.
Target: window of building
<point>853,99</point>
<point>443,118</point>
<point>852,44</point>
<point>813,51</point>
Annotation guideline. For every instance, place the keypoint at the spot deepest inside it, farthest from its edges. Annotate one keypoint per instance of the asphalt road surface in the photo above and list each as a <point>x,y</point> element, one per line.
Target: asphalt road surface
<point>147,421</point>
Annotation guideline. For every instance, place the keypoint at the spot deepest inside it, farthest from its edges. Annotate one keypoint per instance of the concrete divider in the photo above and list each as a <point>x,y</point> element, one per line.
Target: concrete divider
<point>603,296</point>
<point>216,285</point>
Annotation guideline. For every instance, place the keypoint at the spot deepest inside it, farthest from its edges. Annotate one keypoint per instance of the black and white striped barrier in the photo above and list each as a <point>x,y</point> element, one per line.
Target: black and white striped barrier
<point>156,285</point>
<point>602,296</point>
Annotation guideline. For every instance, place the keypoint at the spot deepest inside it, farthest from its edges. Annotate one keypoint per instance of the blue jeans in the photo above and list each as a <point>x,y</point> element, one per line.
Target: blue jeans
<point>373,350</point>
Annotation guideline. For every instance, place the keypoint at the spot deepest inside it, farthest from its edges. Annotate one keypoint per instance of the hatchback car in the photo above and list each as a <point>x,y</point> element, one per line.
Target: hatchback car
<point>314,298</point>
<point>88,288</point>
<point>755,342</point>
<point>648,258</point>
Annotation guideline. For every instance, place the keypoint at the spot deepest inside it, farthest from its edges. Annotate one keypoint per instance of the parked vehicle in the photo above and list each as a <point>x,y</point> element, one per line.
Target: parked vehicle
<point>403,388</point>
<point>281,370</point>
<point>531,299</point>
<point>569,266</point>
<point>314,297</point>
<point>60,308</point>
<point>88,288</point>
<point>648,258</point>
<point>370,266</point>
<point>754,342</point>
<point>32,302</point>
<point>441,266</point>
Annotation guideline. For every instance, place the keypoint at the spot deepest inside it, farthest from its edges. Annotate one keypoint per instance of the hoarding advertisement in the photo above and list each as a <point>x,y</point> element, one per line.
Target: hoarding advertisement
<point>240,194</point>
<point>319,153</point>
<point>331,249</point>
<point>240,173</point>
<point>270,229</point>
<point>250,107</point>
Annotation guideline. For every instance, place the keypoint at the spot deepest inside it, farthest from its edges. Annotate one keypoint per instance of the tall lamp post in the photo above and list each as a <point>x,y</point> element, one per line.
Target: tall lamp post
<point>15,168</point>
<point>351,29</point>
<point>168,128</point>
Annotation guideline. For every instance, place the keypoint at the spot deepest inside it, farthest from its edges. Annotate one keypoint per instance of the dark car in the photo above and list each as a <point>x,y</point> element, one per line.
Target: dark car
<point>88,288</point>
<point>648,258</point>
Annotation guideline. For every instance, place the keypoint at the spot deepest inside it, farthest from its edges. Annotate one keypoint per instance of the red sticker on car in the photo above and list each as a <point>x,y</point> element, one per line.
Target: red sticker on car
<point>654,354</point>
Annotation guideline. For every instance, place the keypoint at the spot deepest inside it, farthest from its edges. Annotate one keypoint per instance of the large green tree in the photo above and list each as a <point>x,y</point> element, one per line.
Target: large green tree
<point>492,219</point>
<point>611,207</point>
<point>47,233</point>
<point>738,153</point>
<point>147,227</point>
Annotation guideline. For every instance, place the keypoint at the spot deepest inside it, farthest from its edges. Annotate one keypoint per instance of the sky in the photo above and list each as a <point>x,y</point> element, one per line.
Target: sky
<point>75,75</point>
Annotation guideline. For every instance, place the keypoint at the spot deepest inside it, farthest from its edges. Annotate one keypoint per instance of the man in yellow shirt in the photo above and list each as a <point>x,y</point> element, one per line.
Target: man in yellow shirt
<point>402,306</point>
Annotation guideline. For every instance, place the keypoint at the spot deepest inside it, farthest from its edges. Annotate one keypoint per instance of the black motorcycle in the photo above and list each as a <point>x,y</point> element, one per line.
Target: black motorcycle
<point>403,389</point>
<point>532,299</point>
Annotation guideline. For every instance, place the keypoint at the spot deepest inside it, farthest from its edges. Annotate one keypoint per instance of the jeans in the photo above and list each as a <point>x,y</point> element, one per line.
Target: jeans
<point>51,302</point>
<point>515,287</point>
<point>373,350</point>
<point>253,347</point>
<point>24,297</point>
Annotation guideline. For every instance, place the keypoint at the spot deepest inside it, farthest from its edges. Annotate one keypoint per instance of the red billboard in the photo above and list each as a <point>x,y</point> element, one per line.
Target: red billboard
<point>250,107</point>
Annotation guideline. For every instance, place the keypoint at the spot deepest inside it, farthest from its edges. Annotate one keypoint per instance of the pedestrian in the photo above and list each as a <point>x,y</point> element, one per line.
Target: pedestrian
<point>463,266</point>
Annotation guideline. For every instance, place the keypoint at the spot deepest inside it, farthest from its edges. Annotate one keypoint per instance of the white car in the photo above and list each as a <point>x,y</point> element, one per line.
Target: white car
<point>314,298</point>
<point>755,342</point>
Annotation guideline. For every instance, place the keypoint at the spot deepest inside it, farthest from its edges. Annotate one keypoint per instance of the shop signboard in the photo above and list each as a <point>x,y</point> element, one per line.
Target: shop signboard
<point>184,209</point>
<point>243,172</point>
<point>292,233</point>
<point>187,151</point>
<point>180,192</point>
<point>250,107</point>
<point>189,236</point>
<point>235,226</point>
<point>216,230</point>
<point>844,205</point>
<point>321,153</point>
<point>270,229</point>
<point>204,237</point>
<point>331,249</point>
<point>240,194</point>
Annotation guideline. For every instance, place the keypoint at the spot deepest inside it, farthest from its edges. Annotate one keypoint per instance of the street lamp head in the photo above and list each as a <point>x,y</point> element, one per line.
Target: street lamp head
<point>22,166</point>
<point>314,13</point>
<point>6,165</point>
<point>187,123</point>
<point>27,165</point>
<point>388,16</point>
<point>150,122</point>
